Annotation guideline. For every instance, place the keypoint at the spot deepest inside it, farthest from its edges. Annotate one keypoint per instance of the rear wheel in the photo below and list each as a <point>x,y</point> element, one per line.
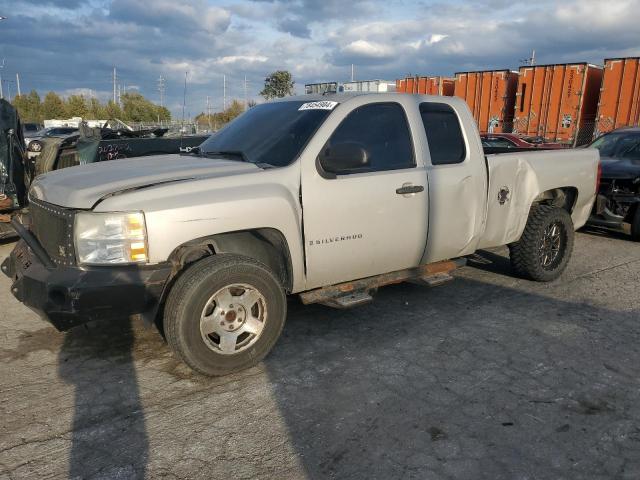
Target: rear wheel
<point>543,251</point>
<point>224,314</point>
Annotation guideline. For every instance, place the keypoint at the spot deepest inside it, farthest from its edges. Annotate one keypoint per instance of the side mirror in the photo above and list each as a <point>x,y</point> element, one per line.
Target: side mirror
<point>343,158</point>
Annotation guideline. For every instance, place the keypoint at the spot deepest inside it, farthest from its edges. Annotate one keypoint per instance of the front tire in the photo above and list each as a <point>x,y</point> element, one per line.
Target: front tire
<point>224,314</point>
<point>543,251</point>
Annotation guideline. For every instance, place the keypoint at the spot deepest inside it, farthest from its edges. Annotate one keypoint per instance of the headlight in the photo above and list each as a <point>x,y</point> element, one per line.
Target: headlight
<point>108,238</point>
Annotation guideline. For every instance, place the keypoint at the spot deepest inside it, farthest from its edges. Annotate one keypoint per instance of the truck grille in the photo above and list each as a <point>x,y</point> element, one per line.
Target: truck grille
<point>53,227</point>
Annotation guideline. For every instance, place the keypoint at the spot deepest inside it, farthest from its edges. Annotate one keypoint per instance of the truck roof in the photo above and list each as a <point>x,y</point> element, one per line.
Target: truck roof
<point>344,96</point>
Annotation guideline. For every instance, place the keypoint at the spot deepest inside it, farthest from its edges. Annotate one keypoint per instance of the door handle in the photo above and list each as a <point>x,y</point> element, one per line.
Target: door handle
<point>408,189</point>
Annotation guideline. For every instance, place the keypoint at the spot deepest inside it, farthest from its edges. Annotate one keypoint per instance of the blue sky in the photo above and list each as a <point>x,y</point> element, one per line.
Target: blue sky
<point>71,46</point>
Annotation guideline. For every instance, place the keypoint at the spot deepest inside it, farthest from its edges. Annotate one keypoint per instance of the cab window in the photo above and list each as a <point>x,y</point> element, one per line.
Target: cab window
<point>444,134</point>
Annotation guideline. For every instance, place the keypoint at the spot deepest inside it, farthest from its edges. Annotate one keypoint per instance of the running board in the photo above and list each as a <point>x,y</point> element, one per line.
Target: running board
<point>358,292</point>
<point>348,300</point>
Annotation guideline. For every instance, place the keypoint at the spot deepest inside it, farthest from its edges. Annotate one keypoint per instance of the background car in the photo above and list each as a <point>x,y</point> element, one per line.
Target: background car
<point>30,129</point>
<point>512,140</point>
<point>33,142</point>
<point>618,201</point>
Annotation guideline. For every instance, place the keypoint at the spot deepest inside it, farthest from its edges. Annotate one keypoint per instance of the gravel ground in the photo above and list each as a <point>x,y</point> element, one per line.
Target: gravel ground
<point>488,377</point>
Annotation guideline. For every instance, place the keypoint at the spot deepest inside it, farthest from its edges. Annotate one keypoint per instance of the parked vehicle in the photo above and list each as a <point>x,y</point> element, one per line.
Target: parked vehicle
<point>91,145</point>
<point>618,202</point>
<point>15,171</point>
<point>329,197</point>
<point>34,142</point>
<point>31,128</point>
<point>511,140</point>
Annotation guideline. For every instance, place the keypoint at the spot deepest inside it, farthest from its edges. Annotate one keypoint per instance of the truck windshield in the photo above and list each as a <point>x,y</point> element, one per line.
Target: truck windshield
<point>271,133</point>
<point>619,145</point>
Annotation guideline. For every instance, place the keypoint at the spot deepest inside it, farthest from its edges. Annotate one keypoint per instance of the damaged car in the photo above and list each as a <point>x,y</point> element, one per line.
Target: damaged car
<point>15,171</point>
<point>618,198</point>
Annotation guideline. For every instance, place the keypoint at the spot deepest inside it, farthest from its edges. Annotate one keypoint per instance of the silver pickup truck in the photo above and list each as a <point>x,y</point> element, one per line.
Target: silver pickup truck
<point>329,197</point>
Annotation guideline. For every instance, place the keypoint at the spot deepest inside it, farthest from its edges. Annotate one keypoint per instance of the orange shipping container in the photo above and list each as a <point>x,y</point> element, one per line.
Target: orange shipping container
<point>558,102</point>
<point>620,94</point>
<point>426,85</point>
<point>490,96</point>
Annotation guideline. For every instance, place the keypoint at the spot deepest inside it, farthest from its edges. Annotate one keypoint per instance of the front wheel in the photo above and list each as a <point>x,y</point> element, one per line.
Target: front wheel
<point>224,314</point>
<point>543,251</point>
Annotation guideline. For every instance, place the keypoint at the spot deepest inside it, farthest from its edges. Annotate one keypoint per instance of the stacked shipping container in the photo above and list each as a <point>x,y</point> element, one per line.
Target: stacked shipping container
<point>490,96</point>
<point>619,104</point>
<point>558,102</point>
<point>426,85</point>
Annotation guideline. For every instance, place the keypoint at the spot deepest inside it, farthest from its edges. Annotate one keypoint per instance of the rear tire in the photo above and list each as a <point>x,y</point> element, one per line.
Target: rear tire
<point>224,314</point>
<point>635,225</point>
<point>543,251</point>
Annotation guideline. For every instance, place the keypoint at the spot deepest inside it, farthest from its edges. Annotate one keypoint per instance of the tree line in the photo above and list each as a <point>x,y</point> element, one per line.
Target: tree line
<point>277,85</point>
<point>133,107</point>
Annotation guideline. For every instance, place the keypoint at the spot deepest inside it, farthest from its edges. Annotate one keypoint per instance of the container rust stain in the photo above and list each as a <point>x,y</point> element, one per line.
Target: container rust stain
<point>558,102</point>
<point>490,96</point>
<point>620,94</point>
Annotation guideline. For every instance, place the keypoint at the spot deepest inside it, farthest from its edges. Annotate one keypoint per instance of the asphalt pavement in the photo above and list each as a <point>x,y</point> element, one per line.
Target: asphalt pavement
<point>487,377</point>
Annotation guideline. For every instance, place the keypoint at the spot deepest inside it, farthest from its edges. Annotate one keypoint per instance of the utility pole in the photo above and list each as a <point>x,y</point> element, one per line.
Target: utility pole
<point>18,83</point>
<point>1,67</point>
<point>246,105</point>
<point>114,85</point>
<point>161,90</point>
<point>208,113</point>
<point>224,92</point>
<point>353,77</point>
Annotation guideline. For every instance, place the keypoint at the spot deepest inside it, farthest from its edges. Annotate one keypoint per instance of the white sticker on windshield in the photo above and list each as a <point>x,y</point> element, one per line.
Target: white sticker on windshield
<point>323,105</point>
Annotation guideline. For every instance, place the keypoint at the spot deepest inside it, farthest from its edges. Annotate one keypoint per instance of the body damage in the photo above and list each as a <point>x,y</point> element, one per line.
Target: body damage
<point>519,180</point>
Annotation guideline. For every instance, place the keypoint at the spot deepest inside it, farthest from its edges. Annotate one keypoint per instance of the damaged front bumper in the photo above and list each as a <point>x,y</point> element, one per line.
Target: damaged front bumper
<point>603,216</point>
<point>71,295</point>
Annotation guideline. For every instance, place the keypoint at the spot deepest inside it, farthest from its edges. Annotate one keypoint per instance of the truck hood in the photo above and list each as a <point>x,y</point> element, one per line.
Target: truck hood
<point>84,186</point>
<point>620,168</point>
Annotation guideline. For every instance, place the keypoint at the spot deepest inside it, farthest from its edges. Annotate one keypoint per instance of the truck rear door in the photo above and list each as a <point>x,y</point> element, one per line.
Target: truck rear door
<point>457,180</point>
<point>364,221</point>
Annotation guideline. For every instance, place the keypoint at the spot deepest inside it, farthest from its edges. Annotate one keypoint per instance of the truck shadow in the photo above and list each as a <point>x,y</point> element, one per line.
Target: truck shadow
<point>491,262</point>
<point>109,438</point>
<point>464,381</point>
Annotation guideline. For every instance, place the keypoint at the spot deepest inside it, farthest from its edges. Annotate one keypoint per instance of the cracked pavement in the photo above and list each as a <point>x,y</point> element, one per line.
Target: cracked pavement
<point>487,377</point>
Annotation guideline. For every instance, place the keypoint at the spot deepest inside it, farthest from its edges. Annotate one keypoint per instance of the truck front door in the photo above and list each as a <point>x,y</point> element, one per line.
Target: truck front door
<point>369,216</point>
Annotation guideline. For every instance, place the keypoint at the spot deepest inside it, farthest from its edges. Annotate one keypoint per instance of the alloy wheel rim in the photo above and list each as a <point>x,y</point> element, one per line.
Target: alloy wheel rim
<point>549,250</point>
<point>233,318</point>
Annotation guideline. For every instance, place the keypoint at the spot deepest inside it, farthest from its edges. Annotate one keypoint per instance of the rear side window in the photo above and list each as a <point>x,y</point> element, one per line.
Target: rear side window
<point>382,130</point>
<point>444,135</point>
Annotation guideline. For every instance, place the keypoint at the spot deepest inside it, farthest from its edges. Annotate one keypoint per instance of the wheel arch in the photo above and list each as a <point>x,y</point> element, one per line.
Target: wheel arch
<point>266,245</point>
<point>562,197</point>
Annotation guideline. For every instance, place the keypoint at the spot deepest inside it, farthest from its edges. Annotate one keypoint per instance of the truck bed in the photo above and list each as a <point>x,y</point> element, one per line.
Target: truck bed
<point>517,178</point>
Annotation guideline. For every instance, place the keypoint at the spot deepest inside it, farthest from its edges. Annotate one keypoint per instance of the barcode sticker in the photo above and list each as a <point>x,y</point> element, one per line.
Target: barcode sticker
<point>323,105</point>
